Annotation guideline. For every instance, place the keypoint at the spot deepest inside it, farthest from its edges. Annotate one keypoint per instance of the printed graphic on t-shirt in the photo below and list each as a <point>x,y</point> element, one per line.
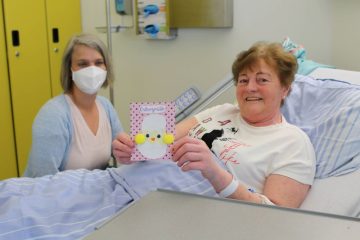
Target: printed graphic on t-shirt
<point>210,137</point>
<point>229,150</point>
<point>224,134</point>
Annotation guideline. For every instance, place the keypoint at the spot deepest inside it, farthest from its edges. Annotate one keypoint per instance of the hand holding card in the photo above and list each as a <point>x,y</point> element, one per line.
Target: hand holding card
<point>152,129</point>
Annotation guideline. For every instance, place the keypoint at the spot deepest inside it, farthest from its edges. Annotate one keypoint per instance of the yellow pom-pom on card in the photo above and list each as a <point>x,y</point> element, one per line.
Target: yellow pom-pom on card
<point>139,138</point>
<point>168,138</point>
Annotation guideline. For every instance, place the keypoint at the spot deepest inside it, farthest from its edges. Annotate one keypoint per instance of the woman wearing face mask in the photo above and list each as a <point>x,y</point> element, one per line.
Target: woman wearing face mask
<point>75,130</point>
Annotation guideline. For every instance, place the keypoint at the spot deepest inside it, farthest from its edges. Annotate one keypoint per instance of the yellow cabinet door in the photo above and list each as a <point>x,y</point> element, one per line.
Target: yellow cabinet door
<point>28,63</point>
<point>8,166</point>
<point>63,20</point>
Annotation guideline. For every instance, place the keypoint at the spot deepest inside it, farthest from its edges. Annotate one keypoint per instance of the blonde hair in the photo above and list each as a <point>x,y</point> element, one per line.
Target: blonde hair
<point>91,41</point>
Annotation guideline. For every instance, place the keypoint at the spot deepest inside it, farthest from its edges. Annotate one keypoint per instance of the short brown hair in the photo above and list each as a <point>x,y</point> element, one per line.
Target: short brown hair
<point>91,41</point>
<point>274,55</point>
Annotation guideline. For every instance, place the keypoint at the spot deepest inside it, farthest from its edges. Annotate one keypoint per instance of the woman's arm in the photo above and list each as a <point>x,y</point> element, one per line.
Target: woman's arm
<point>50,142</point>
<point>122,147</point>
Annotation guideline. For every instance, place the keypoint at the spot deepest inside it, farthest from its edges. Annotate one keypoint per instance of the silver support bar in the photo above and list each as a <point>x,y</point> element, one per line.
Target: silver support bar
<point>208,97</point>
<point>109,43</point>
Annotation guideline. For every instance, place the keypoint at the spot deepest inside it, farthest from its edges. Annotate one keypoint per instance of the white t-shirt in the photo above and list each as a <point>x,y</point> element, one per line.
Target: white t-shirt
<point>253,153</point>
<point>88,150</point>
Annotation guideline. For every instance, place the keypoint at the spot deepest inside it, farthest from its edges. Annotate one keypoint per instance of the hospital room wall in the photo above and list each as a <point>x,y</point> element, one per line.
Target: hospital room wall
<point>155,70</point>
<point>347,35</point>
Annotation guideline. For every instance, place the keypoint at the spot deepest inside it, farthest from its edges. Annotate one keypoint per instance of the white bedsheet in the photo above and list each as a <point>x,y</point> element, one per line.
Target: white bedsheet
<point>338,74</point>
<point>337,195</point>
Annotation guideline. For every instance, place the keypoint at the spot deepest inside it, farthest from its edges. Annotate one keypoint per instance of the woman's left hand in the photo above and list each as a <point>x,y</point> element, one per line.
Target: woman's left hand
<point>193,154</point>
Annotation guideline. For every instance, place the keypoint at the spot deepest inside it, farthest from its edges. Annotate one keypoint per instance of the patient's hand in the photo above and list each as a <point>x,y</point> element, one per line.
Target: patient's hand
<point>193,154</point>
<point>122,148</point>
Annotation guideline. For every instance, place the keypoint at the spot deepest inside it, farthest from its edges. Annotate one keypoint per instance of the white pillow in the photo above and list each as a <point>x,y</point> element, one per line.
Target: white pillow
<point>329,112</point>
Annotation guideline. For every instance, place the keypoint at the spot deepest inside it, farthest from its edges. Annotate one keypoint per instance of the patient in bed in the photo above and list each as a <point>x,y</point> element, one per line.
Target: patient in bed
<point>267,159</point>
<point>70,204</point>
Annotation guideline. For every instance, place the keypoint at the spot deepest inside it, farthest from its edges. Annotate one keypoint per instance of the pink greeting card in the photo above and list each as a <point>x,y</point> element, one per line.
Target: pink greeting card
<point>152,129</point>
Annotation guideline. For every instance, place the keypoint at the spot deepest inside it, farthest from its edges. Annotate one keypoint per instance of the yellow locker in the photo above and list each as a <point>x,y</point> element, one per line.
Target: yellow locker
<point>34,56</point>
<point>8,166</point>
<point>28,67</point>
<point>60,29</point>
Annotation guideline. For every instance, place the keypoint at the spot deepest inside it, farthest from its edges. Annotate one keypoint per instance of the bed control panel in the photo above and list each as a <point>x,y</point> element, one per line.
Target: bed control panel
<point>186,99</point>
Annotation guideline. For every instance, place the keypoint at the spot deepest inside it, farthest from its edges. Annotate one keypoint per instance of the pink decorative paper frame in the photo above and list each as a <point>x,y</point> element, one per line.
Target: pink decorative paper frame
<point>140,113</point>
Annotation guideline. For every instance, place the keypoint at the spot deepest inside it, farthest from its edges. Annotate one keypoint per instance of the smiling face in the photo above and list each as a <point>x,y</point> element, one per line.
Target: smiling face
<point>259,94</point>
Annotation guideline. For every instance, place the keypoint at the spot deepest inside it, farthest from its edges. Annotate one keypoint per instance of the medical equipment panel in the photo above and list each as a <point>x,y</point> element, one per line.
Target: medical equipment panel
<point>186,99</point>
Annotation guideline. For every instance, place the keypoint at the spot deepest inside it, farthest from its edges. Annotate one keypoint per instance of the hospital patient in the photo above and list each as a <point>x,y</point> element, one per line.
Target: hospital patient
<point>75,129</point>
<point>267,159</point>
<point>250,153</point>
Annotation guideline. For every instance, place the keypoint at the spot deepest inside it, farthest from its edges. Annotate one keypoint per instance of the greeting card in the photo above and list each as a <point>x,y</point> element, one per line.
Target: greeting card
<point>152,129</point>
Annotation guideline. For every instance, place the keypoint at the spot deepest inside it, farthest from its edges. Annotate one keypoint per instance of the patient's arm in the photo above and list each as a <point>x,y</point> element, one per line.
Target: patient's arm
<point>280,190</point>
<point>183,127</point>
<point>284,191</point>
<point>193,154</point>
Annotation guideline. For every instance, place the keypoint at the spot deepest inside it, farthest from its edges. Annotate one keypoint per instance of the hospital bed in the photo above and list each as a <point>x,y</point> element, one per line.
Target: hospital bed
<point>164,215</point>
<point>340,193</point>
<point>71,204</point>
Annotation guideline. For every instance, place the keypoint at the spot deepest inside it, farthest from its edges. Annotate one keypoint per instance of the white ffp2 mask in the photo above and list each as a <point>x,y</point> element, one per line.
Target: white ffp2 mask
<point>90,79</point>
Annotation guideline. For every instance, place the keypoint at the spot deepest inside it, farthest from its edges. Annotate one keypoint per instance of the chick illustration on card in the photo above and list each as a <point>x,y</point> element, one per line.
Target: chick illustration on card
<point>152,129</point>
<point>152,140</point>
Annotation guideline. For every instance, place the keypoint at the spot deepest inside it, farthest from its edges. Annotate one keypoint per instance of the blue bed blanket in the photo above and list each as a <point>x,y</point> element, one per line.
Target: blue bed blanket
<point>70,204</point>
<point>328,111</point>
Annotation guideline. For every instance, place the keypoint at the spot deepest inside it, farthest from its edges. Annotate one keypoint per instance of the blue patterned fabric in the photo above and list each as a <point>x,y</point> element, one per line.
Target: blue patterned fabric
<point>70,204</point>
<point>329,112</point>
<point>67,205</point>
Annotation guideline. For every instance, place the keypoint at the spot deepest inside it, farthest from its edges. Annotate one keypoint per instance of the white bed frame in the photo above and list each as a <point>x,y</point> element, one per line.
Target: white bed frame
<point>337,195</point>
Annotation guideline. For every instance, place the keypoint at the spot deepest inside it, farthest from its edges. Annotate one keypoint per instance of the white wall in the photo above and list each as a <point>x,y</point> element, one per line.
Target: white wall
<point>155,70</point>
<point>346,38</point>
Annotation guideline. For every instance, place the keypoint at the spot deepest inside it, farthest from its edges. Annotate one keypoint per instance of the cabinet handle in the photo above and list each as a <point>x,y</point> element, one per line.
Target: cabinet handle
<point>55,35</point>
<point>15,38</point>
